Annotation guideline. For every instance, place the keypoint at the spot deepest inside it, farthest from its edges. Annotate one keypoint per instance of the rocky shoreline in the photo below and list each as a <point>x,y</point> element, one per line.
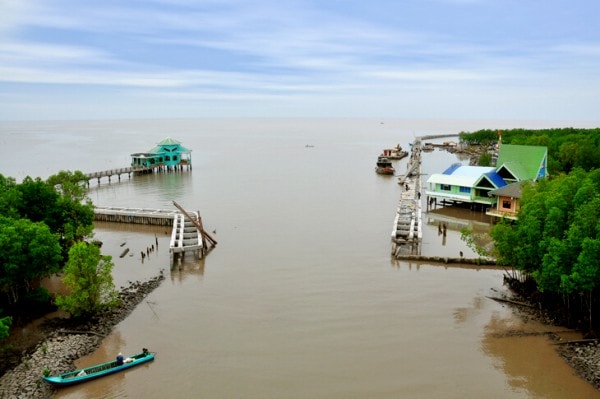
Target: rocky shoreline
<point>584,358</point>
<point>67,341</point>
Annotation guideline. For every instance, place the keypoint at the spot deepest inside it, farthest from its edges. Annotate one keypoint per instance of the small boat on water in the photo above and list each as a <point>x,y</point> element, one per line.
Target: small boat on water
<point>395,153</point>
<point>99,370</point>
<point>428,147</point>
<point>384,166</point>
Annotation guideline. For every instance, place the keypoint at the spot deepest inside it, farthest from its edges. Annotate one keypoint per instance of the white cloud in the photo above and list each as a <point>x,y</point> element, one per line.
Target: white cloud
<point>264,53</point>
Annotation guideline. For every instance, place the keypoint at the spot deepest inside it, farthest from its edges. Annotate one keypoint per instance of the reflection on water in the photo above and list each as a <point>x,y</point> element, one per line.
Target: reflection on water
<point>523,349</point>
<point>298,300</point>
<point>187,266</point>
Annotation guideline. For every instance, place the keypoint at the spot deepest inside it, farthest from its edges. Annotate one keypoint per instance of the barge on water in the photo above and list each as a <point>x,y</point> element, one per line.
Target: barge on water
<point>395,153</point>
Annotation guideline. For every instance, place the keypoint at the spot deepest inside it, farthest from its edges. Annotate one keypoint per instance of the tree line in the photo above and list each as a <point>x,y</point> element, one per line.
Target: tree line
<point>555,243</point>
<point>568,148</point>
<point>46,228</point>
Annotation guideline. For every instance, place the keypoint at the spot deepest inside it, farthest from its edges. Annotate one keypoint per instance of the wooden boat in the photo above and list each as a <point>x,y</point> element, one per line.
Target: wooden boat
<point>99,370</point>
<point>395,153</point>
<point>384,166</point>
<point>428,147</point>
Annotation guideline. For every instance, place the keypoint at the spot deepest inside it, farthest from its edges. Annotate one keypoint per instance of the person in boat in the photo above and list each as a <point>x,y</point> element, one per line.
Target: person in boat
<point>119,359</point>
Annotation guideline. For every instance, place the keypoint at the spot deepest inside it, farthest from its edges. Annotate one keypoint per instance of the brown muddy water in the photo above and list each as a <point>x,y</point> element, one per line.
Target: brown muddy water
<point>300,298</point>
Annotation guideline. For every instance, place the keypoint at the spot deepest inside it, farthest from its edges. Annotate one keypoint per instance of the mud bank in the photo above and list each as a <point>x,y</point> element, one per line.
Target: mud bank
<point>67,341</point>
<point>583,356</point>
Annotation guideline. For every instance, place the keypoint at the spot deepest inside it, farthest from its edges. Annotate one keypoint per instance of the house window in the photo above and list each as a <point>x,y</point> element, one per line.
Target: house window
<point>506,204</point>
<point>466,190</point>
<point>445,187</point>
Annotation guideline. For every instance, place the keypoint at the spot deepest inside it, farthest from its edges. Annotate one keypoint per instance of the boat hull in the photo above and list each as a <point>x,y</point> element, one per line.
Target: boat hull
<point>384,166</point>
<point>385,171</point>
<point>90,373</point>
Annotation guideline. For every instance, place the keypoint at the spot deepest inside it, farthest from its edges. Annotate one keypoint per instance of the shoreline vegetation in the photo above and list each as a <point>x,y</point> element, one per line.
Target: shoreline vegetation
<point>69,339</point>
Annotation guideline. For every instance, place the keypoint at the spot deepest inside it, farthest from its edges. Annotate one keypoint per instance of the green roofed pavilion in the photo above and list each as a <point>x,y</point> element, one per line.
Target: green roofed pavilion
<point>168,154</point>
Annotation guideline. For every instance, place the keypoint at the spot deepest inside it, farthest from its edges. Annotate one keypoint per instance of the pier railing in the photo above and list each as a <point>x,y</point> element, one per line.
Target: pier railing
<point>186,235</point>
<point>158,217</point>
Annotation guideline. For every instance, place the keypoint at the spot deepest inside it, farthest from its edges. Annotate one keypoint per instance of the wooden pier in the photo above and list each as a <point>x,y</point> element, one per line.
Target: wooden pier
<point>135,170</point>
<point>187,234</point>
<point>407,232</point>
<point>114,172</point>
<point>156,217</point>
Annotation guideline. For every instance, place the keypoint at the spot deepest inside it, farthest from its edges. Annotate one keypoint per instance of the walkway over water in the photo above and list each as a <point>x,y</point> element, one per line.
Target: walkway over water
<point>135,170</point>
<point>407,229</point>
<point>116,172</point>
<point>186,235</point>
<point>157,217</point>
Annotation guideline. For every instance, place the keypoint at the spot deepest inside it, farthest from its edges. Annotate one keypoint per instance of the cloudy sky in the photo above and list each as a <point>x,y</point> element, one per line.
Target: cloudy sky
<point>463,59</point>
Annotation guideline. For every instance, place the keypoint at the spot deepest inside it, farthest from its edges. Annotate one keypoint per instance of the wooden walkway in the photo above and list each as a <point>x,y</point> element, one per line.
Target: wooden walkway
<point>407,232</point>
<point>157,217</point>
<point>187,234</point>
<point>116,172</point>
<point>134,170</point>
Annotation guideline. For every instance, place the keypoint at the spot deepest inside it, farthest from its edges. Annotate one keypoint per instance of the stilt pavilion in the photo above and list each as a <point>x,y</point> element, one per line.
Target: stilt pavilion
<point>168,154</point>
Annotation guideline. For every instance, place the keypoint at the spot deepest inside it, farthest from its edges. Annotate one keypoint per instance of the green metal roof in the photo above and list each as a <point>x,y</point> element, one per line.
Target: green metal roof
<point>523,161</point>
<point>169,141</point>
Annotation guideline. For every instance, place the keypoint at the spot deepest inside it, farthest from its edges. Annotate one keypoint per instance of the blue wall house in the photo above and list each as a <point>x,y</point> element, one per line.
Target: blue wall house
<point>484,185</point>
<point>463,183</point>
<point>168,154</point>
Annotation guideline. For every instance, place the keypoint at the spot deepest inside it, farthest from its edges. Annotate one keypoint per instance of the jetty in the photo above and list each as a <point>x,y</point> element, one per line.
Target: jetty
<point>407,232</point>
<point>115,172</point>
<point>187,234</point>
<point>156,217</point>
<point>168,155</point>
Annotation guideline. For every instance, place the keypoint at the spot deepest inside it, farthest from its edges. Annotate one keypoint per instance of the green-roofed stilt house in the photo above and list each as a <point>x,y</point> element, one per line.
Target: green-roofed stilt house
<point>167,155</point>
<point>495,189</point>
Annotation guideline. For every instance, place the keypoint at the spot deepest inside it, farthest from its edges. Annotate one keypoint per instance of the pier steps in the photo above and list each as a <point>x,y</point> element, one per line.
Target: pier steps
<point>185,234</point>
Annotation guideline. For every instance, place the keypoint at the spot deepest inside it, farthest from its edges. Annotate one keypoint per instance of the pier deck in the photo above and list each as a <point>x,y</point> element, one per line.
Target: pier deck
<point>185,235</point>
<point>116,172</point>
<point>134,170</point>
<point>407,232</point>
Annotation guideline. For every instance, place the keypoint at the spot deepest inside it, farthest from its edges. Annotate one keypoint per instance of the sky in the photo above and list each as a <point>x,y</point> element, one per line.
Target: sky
<point>444,59</point>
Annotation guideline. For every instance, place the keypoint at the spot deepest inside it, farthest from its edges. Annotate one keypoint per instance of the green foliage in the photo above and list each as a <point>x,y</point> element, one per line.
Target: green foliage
<point>37,201</point>
<point>29,251</point>
<point>485,159</point>
<point>88,276</point>
<point>72,185</point>
<point>474,241</point>
<point>568,148</point>
<point>480,137</point>
<point>5,323</point>
<point>39,222</point>
<point>556,238</point>
<point>60,203</point>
